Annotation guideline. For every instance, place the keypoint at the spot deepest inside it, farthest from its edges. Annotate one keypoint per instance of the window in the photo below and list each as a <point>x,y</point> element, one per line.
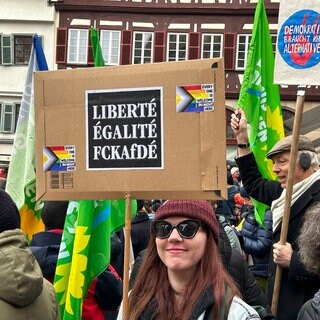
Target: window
<point>110,45</point>
<point>211,46</point>
<point>8,117</point>
<point>177,46</point>
<point>142,47</point>
<point>242,50</point>
<point>22,49</point>
<point>77,46</point>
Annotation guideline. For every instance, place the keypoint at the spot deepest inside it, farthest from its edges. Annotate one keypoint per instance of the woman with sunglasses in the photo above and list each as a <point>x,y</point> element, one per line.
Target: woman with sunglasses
<point>182,276</point>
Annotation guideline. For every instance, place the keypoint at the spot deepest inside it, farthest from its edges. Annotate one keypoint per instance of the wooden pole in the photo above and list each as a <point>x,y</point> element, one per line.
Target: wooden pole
<point>127,235</point>
<point>286,213</point>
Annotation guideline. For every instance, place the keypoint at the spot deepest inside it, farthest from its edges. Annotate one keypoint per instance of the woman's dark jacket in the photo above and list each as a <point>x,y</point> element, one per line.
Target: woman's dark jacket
<point>257,241</point>
<point>297,285</point>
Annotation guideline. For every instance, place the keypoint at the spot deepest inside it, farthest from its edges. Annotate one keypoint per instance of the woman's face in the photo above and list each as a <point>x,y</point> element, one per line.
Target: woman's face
<point>180,254</point>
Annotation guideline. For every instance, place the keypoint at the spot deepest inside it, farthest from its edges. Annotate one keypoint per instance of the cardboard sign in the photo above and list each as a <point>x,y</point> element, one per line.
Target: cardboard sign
<point>153,131</point>
<point>298,43</point>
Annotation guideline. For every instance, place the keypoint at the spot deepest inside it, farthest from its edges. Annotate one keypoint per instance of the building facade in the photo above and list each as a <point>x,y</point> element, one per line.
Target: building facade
<point>19,20</point>
<point>148,31</point>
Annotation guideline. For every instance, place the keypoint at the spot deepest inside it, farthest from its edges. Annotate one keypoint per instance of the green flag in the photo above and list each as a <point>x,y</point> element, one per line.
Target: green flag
<point>85,249</point>
<point>260,99</point>
<point>21,183</point>
<point>96,48</point>
<point>86,240</point>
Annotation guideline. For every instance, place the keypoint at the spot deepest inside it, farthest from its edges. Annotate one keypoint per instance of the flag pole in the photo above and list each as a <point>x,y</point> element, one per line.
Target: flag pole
<point>286,213</point>
<point>126,262</point>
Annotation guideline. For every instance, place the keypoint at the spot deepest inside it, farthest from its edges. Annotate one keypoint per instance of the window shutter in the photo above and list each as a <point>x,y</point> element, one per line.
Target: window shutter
<point>7,49</point>
<point>61,52</point>
<point>126,46</point>
<point>194,45</point>
<point>1,108</point>
<point>17,110</point>
<point>229,51</point>
<point>159,46</point>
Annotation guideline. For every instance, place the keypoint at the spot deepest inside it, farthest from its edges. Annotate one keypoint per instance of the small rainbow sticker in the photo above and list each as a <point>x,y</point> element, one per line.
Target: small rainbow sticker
<point>59,158</point>
<point>195,98</point>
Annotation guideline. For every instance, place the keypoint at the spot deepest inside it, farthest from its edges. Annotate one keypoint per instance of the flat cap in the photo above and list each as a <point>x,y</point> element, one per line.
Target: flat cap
<point>285,145</point>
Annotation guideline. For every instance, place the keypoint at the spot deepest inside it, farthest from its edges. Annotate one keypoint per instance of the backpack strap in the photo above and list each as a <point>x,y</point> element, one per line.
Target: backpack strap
<point>224,310</point>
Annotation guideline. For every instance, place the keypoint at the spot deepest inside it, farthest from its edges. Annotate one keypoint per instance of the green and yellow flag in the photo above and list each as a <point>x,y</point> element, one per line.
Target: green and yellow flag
<point>260,99</point>
<point>86,239</point>
<point>85,249</point>
<point>21,183</point>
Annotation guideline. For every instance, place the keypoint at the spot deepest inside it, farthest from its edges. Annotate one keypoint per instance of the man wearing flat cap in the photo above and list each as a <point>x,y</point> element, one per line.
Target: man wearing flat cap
<point>297,284</point>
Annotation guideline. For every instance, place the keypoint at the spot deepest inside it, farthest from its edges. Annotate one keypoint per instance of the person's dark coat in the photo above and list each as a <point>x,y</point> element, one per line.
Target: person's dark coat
<point>140,232</point>
<point>257,241</point>
<point>297,285</point>
<point>104,293</point>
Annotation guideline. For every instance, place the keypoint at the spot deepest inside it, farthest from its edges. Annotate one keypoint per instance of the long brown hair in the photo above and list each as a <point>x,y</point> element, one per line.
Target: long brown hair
<point>152,283</point>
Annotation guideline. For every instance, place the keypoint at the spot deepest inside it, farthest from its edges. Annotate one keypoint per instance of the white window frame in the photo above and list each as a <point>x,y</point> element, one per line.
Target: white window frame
<point>9,48</point>
<point>145,39</point>
<point>110,45</point>
<point>212,44</point>
<point>81,47</point>
<point>5,114</point>
<point>247,38</point>
<point>177,44</point>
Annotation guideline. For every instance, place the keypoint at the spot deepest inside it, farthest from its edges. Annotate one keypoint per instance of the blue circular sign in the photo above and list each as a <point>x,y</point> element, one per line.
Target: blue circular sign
<point>299,39</point>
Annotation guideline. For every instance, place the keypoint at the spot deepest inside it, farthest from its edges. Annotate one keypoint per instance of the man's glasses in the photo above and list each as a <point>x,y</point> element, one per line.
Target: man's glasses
<point>187,228</point>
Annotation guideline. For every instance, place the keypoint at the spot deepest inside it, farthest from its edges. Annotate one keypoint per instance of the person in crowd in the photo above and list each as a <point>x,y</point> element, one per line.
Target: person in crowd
<point>309,244</point>
<point>294,289</point>
<point>155,204</point>
<point>257,241</point>
<point>105,292</point>
<point>3,183</point>
<point>140,229</point>
<point>238,269</point>
<point>179,279</point>
<point>227,206</point>
<point>232,233</point>
<point>24,293</point>
<point>235,174</point>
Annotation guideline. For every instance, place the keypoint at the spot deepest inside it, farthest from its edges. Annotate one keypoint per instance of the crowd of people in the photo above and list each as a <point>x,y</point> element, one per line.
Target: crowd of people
<point>193,259</point>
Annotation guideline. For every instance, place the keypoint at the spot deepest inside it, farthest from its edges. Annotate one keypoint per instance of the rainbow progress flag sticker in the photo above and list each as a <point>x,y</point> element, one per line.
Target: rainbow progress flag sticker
<point>195,98</point>
<point>59,158</point>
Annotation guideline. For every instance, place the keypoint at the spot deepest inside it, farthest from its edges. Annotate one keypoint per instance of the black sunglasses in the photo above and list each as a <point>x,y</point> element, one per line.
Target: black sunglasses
<point>187,228</point>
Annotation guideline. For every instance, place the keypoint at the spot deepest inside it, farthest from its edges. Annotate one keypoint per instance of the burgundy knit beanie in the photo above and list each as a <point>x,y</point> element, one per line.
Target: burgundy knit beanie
<point>193,209</point>
<point>9,213</point>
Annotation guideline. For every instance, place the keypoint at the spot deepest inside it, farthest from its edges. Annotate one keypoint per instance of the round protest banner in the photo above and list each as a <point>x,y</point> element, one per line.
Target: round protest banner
<point>299,39</point>
<point>298,43</point>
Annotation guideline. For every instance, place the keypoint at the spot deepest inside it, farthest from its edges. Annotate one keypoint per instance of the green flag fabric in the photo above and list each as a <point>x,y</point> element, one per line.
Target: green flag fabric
<point>85,249</point>
<point>96,48</point>
<point>21,182</point>
<point>260,99</point>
